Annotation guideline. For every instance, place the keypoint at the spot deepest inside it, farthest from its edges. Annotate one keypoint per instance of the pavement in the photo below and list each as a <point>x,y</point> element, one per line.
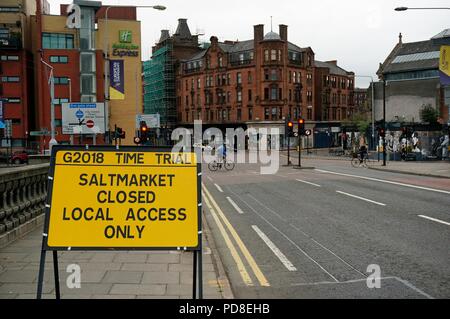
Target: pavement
<point>111,275</point>
<point>440,169</point>
<point>331,232</point>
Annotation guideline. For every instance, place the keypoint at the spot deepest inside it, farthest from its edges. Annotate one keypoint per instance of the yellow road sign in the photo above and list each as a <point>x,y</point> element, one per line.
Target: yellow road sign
<point>105,198</point>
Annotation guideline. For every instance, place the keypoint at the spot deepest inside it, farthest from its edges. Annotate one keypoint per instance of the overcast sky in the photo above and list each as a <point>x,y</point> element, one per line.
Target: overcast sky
<point>357,33</point>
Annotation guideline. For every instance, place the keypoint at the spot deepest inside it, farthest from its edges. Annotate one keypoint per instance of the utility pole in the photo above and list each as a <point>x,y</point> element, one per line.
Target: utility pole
<point>384,122</point>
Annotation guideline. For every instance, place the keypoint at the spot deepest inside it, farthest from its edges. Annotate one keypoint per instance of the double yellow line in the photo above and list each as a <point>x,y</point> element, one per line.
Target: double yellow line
<point>216,212</point>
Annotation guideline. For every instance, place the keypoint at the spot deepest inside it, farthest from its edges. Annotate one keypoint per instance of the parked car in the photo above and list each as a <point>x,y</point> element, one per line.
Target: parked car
<point>19,158</point>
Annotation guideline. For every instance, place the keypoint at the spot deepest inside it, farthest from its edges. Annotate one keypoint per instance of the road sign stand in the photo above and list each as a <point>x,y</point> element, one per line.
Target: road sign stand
<point>197,250</point>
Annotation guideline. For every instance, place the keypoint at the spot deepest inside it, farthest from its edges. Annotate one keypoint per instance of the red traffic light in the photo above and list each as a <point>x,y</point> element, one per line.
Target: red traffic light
<point>290,124</point>
<point>301,121</point>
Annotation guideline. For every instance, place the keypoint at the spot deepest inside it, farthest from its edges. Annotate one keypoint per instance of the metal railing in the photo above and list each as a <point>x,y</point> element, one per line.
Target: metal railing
<point>23,193</point>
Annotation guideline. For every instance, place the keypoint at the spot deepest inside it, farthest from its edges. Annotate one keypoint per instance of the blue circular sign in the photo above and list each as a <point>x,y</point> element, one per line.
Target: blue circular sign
<point>79,114</point>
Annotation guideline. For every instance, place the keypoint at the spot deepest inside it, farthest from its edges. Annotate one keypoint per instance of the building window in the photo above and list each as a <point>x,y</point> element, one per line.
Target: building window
<point>4,33</point>
<point>239,114</point>
<point>294,77</point>
<point>273,94</point>
<point>250,77</point>
<point>273,75</point>
<point>274,113</point>
<point>59,101</point>
<point>309,114</point>
<point>266,93</point>
<point>239,96</point>
<point>266,55</point>
<point>249,95</point>
<point>239,78</point>
<point>279,55</point>
<point>88,84</point>
<point>10,79</point>
<point>250,114</point>
<point>199,84</point>
<point>228,79</point>
<point>9,58</point>
<point>220,62</point>
<point>57,41</point>
<point>61,80</point>
<point>273,55</point>
<point>228,97</point>
<point>266,74</point>
<point>290,76</point>
<point>266,113</point>
<point>59,59</point>
<point>309,97</point>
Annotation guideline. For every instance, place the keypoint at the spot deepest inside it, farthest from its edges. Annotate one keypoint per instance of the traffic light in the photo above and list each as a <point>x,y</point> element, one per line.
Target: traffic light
<point>290,128</point>
<point>143,132</point>
<point>301,126</point>
<point>119,134</point>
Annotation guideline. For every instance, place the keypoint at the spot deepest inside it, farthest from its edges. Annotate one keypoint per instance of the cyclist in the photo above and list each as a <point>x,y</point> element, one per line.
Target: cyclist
<point>362,152</point>
<point>221,153</point>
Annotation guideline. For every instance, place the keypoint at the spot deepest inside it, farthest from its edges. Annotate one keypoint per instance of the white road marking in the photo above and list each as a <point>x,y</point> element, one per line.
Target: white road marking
<point>210,179</point>
<point>384,181</point>
<point>285,236</point>
<point>361,198</point>
<point>218,188</point>
<point>435,220</point>
<point>235,206</point>
<point>313,184</point>
<point>275,249</point>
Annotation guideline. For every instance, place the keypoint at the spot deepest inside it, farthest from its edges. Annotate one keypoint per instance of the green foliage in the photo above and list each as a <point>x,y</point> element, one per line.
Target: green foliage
<point>428,114</point>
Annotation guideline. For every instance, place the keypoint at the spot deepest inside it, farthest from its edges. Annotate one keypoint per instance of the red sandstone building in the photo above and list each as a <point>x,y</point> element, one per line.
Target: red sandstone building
<point>260,82</point>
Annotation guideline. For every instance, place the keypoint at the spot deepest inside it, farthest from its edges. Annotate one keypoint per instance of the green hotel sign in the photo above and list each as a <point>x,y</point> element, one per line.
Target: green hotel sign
<point>125,36</point>
<point>125,47</point>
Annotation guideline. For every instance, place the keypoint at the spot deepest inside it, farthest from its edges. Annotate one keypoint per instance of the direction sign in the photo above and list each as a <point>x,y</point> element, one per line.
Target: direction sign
<point>132,198</point>
<point>76,116</point>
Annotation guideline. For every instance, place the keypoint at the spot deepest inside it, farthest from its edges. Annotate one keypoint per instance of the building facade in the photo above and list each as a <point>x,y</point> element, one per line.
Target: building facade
<point>159,73</point>
<point>17,68</point>
<point>249,84</point>
<point>78,60</point>
<point>411,73</point>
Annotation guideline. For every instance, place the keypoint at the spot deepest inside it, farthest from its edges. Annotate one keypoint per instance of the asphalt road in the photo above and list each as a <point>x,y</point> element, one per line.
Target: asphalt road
<point>325,232</point>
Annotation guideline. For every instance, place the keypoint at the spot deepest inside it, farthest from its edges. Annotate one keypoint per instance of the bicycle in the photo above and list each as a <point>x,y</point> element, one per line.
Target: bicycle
<point>215,165</point>
<point>357,162</point>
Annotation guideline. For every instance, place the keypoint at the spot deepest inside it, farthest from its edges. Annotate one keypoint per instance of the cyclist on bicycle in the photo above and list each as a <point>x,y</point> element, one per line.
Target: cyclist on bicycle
<point>362,153</point>
<point>222,152</point>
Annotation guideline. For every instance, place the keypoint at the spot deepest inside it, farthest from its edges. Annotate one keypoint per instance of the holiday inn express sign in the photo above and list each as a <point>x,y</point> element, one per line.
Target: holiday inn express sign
<point>125,47</point>
<point>123,198</point>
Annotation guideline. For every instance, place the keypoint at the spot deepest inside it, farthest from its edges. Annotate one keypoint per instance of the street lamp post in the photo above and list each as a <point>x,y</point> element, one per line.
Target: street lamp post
<point>51,83</point>
<point>384,122</point>
<point>407,8</point>
<point>106,53</point>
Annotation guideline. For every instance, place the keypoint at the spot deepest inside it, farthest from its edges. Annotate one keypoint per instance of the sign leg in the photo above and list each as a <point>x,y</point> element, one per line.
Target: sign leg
<point>56,270</point>
<point>41,272</point>
<point>194,280</point>
<point>200,273</point>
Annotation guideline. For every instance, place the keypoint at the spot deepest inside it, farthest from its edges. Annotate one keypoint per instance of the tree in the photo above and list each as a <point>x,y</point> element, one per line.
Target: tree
<point>428,114</point>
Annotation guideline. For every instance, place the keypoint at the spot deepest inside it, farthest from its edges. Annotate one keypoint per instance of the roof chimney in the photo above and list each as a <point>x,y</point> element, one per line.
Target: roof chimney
<point>258,32</point>
<point>164,35</point>
<point>183,29</point>
<point>400,37</point>
<point>283,32</point>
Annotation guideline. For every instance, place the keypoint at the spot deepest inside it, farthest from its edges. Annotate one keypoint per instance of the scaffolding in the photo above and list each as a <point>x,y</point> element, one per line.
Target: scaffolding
<point>159,85</point>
